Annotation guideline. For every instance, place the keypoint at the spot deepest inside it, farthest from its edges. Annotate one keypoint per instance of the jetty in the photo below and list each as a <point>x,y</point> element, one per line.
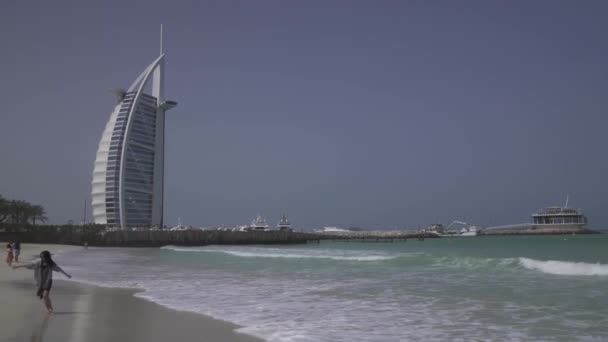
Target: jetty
<point>374,235</point>
<point>533,230</point>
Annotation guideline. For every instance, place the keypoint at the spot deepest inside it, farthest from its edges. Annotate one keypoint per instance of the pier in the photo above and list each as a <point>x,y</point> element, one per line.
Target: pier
<point>534,231</point>
<point>375,236</point>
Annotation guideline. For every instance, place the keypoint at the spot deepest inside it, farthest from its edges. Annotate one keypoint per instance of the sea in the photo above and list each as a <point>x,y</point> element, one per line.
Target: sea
<point>520,288</point>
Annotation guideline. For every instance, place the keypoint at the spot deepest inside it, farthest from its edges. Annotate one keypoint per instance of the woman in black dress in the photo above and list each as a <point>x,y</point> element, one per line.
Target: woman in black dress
<point>43,273</point>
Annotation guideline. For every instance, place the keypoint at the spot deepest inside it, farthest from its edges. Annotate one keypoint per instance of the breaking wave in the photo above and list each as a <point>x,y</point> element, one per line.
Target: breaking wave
<point>254,252</point>
<point>565,267</point>
<point>473,263</point>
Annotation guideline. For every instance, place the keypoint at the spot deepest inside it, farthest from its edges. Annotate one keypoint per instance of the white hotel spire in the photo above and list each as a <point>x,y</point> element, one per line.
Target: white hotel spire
<point>127,186</point>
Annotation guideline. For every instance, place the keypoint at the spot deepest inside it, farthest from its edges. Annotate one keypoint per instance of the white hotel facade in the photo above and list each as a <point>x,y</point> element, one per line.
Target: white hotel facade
<point>127,186</point>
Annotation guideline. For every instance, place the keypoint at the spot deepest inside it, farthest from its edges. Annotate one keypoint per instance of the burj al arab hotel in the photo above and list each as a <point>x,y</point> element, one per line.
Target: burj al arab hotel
<point>127,186</point>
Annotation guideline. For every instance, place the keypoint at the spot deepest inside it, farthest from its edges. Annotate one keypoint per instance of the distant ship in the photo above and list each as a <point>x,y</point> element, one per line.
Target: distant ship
<point>284,224</point>
<point>259,224</point>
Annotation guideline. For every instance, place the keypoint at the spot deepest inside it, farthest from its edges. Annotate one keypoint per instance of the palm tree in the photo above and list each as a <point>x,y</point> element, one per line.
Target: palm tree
<point>4,209</point>
<point>38,213</point>
<point>17,211</point>
<point>20,212</point>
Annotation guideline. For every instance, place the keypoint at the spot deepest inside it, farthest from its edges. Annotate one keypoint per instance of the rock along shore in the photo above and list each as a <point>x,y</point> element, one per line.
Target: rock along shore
<point>152,238</point>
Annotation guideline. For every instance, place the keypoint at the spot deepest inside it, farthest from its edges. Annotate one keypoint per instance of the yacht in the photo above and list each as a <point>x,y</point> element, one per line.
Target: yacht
<point>284,224</point>
<point>259,224</point>
<point>466,230</point>
<point>469,230</point>
<point>179,225</point>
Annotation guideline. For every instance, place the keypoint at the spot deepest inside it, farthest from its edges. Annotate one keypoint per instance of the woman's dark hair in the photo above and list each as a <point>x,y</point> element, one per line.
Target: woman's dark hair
<point>46,258</point>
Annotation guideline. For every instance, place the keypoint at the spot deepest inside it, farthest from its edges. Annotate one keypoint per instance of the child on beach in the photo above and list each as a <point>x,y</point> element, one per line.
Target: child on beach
<point>43,273</point>
<point>16,250</point>
<point>9,254</point>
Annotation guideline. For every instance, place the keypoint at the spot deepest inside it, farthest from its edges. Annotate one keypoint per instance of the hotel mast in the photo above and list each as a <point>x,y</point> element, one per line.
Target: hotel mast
<point>127,186</point>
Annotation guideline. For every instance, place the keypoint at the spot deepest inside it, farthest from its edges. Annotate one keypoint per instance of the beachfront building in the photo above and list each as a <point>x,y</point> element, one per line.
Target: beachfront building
<point>127,186</point>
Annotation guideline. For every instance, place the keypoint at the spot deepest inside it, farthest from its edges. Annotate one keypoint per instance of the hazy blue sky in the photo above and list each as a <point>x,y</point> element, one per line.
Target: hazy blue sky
<point>368,113</point>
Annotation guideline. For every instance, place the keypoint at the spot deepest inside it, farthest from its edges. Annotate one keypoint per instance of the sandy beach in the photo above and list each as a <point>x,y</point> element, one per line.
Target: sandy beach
<point>90,313</point>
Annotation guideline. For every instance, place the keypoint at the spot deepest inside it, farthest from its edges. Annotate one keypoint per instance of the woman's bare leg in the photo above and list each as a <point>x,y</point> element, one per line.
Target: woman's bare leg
<point>47,300</point>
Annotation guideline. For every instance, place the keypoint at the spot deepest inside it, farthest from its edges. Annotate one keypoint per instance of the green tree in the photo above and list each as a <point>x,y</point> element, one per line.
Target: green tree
<point>4,209</point>
<point>38,213</point>
<point>20,211</point>
<point>14,211</point>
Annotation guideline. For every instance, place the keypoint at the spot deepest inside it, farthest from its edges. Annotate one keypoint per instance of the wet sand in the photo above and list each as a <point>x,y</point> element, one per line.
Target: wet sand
<point>95,314</point>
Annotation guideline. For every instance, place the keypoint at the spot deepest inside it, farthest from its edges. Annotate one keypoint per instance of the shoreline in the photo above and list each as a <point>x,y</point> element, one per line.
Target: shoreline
<point>127,317</point>
<point>86,312</point>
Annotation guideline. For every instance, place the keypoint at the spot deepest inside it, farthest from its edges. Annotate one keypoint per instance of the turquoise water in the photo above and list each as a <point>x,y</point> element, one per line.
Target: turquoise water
<point>524,288</point>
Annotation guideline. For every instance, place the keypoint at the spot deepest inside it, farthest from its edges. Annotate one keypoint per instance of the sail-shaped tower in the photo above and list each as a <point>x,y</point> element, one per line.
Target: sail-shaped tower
<point>127,186</point>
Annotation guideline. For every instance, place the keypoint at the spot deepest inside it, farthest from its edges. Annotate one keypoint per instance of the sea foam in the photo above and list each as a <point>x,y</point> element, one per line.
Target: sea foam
<point>565,267</point>
<point>252,252</point>
<point>416,296</point>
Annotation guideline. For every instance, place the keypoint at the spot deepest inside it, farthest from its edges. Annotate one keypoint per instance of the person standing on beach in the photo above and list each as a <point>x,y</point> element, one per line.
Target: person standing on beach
<point>16,250</point>
<point>9,254</point>
<point>43,273</point>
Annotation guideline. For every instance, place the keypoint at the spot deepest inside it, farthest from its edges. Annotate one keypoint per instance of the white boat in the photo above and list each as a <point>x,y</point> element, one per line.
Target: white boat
<point>284,224</point>
<point>179,225</point>
<point>467,230</point>
<point>244,228</point>
<point>259,224</point>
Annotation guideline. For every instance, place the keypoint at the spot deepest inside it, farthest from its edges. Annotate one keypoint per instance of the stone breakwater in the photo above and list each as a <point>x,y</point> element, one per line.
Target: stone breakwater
<point>98,236</point>
<point>151,238</point>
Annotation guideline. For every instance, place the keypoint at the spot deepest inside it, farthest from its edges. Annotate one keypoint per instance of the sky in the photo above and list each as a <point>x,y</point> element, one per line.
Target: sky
<point>378,114</point>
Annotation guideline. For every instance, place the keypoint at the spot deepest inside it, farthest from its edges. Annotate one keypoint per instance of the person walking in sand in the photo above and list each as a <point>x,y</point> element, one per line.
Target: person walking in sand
<point>16,250</point>
<point>9,254</point>
<point>43,273</point>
